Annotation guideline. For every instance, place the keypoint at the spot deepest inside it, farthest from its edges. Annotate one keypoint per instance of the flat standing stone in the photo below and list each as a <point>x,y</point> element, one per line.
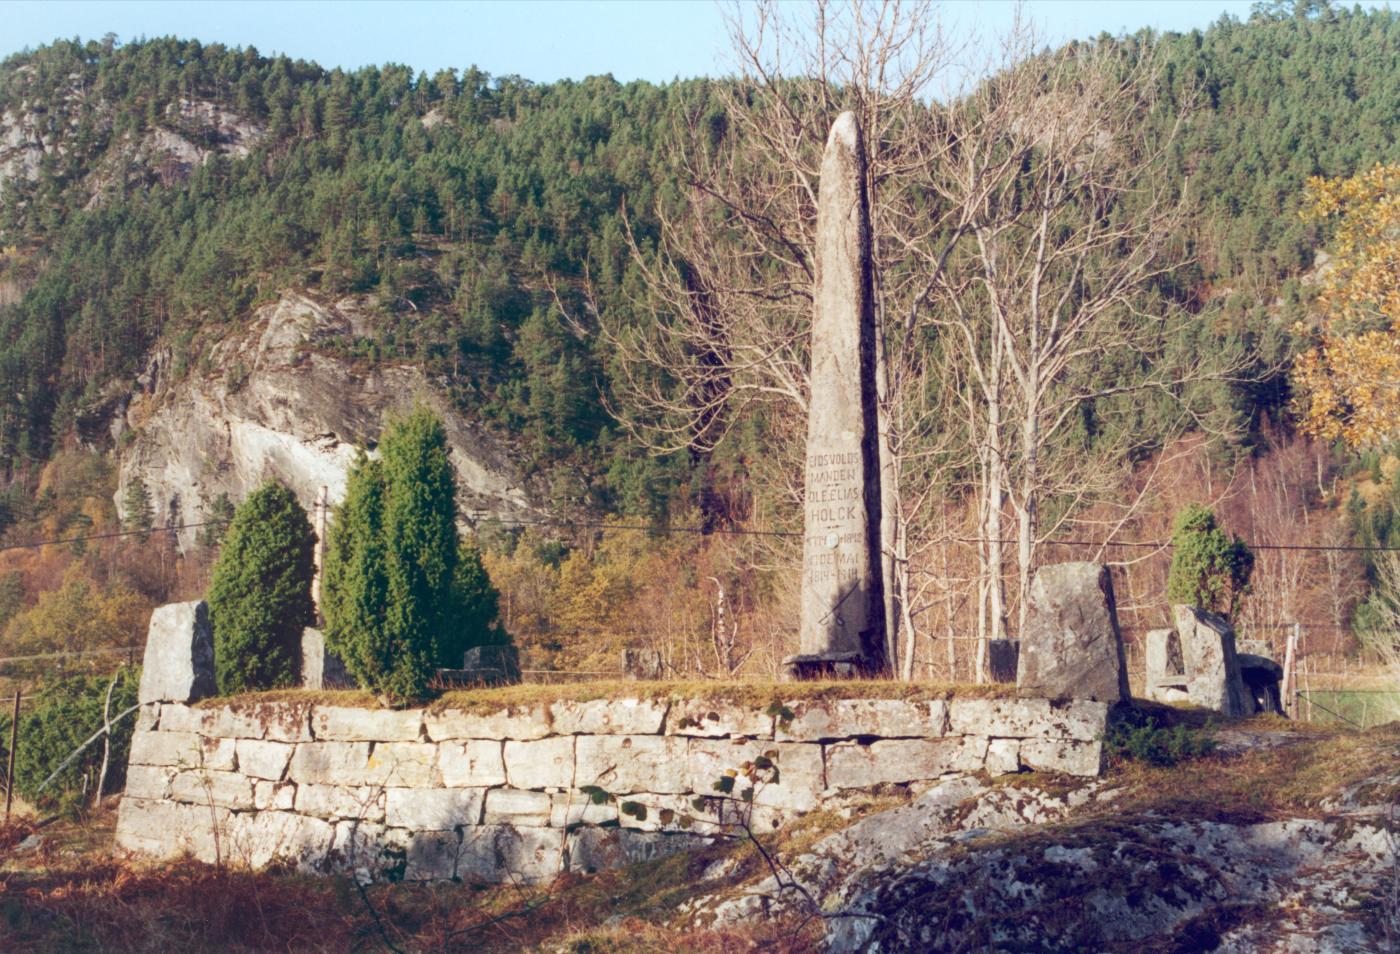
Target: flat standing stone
<point>320,668</point>
<point>178,665</point>
<point>1070,645</point>
<point>1212,667</point>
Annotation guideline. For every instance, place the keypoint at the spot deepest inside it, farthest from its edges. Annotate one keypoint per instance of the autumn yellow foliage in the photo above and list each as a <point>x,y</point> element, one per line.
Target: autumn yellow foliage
<point>1349,382</point>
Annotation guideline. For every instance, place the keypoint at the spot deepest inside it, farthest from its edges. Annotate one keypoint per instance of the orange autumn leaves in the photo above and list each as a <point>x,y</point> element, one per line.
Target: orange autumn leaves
<point>1348,384</point>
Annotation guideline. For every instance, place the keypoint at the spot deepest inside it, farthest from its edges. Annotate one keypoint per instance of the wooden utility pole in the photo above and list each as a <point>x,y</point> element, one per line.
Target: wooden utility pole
<point>10,772</point>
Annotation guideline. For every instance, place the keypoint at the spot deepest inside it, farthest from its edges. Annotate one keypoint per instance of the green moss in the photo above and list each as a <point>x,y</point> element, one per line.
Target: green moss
<point>760,696</point>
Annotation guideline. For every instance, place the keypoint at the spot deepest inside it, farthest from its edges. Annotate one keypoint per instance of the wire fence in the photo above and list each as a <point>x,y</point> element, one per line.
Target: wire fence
<point>1359,708</point>
<point>483,519</point>
<point>1319,672</point>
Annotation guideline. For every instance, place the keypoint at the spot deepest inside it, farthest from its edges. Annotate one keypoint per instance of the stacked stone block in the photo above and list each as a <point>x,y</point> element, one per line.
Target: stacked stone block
<point>508,795</point>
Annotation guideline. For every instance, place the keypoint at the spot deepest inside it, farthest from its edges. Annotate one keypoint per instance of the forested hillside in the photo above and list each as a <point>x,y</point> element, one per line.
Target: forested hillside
<point>154,193</point>
<point>461,200</point>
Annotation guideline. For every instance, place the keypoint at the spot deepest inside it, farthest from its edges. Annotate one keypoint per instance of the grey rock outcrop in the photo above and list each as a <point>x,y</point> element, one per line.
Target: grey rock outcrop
<point>274,403</point>
<point>1071,645</point>
<point>190,132</point>
<point>1212,668</point>
<point>842,590</point>
<point>178,665</point>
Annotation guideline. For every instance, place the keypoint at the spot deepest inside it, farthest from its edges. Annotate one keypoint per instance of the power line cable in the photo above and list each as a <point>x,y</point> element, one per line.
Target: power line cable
<point>706,531</point>
<point>731,531</point>
<point>34,544</point>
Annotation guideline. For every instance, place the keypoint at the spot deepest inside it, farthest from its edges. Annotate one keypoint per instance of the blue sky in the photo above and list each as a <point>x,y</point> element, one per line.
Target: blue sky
<point>543,41</point>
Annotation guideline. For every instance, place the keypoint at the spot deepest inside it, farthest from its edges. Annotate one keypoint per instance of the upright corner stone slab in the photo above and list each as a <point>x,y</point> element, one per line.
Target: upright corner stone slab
<point>1071,646</point>
<point>178,665</point>
<point>320,668</point>
<point>843,625</point>
<point>1212,670</point>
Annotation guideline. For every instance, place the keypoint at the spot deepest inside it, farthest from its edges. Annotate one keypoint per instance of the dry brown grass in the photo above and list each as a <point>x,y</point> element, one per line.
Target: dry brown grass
<point>1318,764</point>
<point>753,694</point>
<point>72,895</point>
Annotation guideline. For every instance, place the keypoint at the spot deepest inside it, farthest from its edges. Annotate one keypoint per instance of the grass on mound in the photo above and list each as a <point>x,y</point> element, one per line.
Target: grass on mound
<point>758,695</point>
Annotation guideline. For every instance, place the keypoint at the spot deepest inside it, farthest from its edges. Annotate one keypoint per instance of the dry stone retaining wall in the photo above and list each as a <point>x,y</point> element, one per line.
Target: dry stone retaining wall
<point>425,795</point>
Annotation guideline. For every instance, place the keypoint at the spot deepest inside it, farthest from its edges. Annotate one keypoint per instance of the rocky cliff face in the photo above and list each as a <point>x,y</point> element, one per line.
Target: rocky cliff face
<point>272,405</point>
<point>189,134</point>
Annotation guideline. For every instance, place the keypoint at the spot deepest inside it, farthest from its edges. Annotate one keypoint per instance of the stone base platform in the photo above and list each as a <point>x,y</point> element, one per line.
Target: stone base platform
<point>526,793</point>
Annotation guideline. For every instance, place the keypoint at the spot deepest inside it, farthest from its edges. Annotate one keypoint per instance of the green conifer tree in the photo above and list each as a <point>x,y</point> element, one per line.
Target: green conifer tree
<point>260,595</point>
<point>403,596</point>
<point>216,522</point>
<point>137,514</point>
<point>421,543</point>
<point>1210,569</point>
<point>354,587</point>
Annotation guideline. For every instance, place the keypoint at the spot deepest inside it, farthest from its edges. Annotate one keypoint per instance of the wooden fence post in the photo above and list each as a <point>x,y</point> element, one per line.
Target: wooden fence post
<point>10,776</point>
<point>1290,679</point>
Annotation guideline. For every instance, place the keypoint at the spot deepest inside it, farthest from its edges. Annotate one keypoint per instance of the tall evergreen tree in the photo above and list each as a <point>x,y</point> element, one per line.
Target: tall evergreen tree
<point>403,597</point>
<point>137,514</point>
<point>260,595</point>
<point>354,587</point>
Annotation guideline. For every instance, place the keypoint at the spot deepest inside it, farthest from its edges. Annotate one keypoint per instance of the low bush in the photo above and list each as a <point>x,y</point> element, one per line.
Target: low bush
<point>1140,736</point>
<point>64,715</point>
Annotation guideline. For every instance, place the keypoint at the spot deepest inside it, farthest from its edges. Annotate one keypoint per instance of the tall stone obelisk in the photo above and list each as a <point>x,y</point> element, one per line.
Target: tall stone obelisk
<point>843,621</point>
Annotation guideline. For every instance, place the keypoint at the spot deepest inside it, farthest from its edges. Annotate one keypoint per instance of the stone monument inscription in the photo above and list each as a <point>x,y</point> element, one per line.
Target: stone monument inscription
<point>842,628</point>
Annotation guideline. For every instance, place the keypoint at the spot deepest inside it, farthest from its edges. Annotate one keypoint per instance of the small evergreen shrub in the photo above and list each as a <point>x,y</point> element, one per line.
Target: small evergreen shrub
<point>1138,736</point>
<point>57,719</point>
<point>1210,568</point>
<point>260,594</point>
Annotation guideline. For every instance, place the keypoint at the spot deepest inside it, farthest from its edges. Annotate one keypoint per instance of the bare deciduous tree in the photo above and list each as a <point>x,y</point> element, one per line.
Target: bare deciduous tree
<point>1019,234</point>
